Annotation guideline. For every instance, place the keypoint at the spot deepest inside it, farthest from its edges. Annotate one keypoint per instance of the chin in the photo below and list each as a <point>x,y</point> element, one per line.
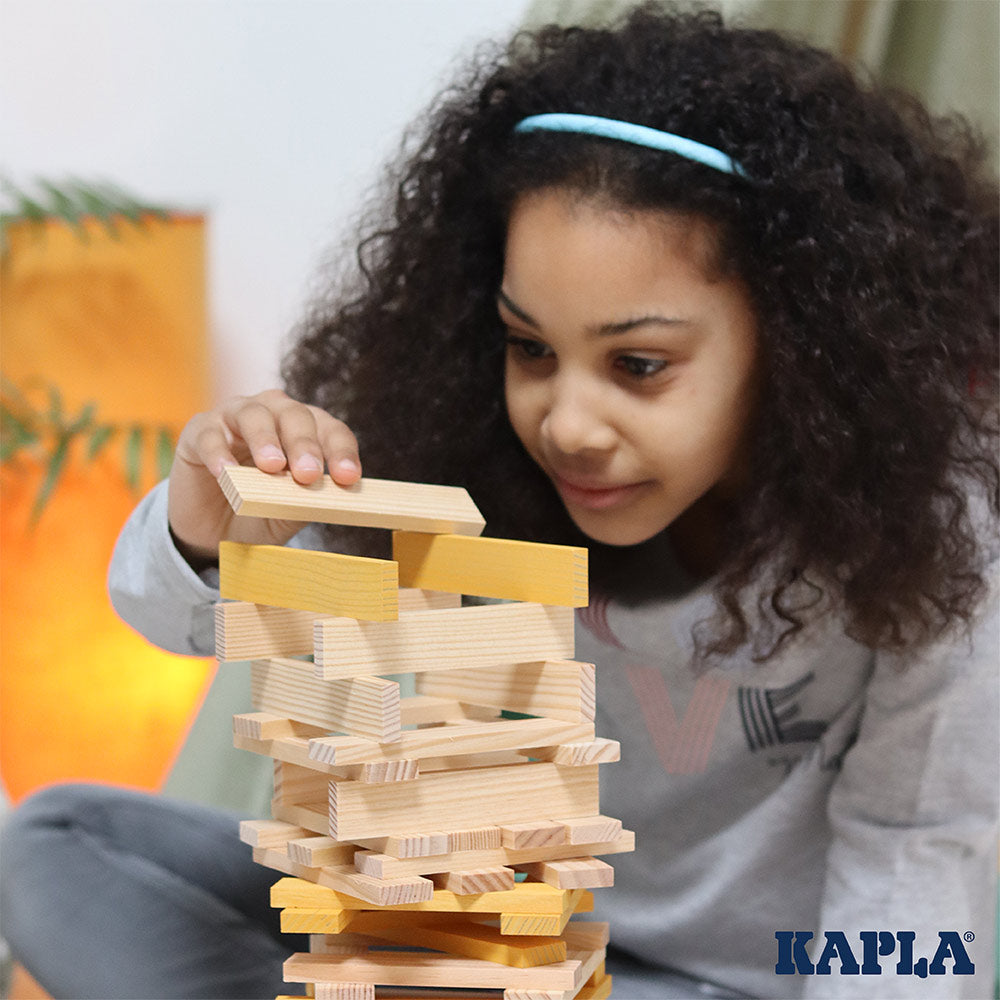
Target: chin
<point>616,533</point>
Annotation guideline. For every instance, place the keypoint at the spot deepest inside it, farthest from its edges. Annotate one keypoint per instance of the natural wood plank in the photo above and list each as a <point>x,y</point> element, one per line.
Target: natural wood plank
<point>381,865</point>
<point>368,503</point>
<point>493,567</point>
<point>572,873</point>
<point>246,631</point>
<point>325,582</point>
<point>556,689</point>
<point>535,834</point>
<point>579,754</point>
<point>318,851</point>
<point>496,795</point>
<point>266,726</point>
<point>368,707</point>
<point>525,897</point>
<point>343,991</point>
<point>466,939</point>
<point>475,880</point>
<point>268,832</point>
<point>452,740</point>
<point>591,830</point>
<point>443,640</point>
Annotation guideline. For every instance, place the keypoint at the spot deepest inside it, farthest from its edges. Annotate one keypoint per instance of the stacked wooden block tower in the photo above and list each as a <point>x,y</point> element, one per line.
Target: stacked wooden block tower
<point>404,822</point>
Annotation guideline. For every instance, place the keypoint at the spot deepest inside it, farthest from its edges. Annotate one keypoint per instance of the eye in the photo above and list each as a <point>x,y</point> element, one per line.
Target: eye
<point>527,347</point>
<point>640,367</point>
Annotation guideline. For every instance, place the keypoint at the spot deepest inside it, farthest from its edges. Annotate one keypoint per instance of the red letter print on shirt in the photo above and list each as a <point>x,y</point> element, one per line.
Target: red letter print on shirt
<point>682,746</point>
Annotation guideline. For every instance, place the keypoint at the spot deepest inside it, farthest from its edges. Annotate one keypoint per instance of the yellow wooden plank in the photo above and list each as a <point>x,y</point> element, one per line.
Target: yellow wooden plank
<point>371,503</point>
<point>493,567</point>
<point>556,689</point>
<point>325,582</point>
<point>455,800</point>
<point>443,640</point>
<point>315,921</point>
<point>525,897</point>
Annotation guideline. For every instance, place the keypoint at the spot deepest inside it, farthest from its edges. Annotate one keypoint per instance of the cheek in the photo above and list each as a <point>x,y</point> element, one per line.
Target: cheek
<point>519,405</point>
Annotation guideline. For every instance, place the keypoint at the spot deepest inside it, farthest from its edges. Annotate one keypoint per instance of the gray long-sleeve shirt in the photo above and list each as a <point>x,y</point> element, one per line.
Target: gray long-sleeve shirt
<point>831,790</point>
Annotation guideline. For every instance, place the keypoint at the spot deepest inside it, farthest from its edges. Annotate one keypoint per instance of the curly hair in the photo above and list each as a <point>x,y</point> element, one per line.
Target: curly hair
<point>866,234</point>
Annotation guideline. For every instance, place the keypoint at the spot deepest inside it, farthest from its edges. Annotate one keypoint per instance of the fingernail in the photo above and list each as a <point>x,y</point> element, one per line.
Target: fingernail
<point>347,465</point>
<point>269,452</point>
<point>308,463</point>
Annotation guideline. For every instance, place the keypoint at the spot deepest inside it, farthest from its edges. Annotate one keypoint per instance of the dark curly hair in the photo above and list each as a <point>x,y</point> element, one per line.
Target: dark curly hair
<point>866,234</point>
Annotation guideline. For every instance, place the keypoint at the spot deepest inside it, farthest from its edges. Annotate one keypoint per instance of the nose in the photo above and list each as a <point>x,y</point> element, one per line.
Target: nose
<point>577,421</point>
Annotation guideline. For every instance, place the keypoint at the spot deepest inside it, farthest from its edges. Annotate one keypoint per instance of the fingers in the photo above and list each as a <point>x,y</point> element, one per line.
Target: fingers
<point>279,432</point>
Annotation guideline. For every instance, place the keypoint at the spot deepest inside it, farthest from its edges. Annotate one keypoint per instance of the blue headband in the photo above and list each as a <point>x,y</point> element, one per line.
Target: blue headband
<point>639,135</point>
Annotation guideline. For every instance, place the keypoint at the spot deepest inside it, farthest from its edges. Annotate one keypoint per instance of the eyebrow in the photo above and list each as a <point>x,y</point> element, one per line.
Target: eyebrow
<point>604,330</point>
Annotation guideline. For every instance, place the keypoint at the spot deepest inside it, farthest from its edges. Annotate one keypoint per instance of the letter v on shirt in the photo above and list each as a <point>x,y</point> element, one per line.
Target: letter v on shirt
<point>683,745</point>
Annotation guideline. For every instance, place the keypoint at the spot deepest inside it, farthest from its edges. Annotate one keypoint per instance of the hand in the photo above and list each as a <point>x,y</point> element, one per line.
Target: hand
<point>269,430</point>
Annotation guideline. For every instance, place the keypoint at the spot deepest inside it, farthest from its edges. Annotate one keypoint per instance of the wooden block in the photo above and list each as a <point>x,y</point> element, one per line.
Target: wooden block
<point>298,784</point>
<point>592,830</point>
<point>493,567</point>
<point>468,940</point>
<point>402,968</point>
<point>315,852</point>
<point>422,710</point>
<point>338,943</point>
<point>598,990</point>
<point>325,582</point>
<point>268,726</point>
<point>369,503</point>
<point>572,873</point>
<point>344,991</point>
<point>443,640</point>
<point>556,689</point>
<point>596,751</point>
<point>368,707</point>
<point>294,750</point>
<point>549,924</point>
<point>525,897</point>
<point>475,880</point>
<point>497,795</point>
<point>459,739</point>
<point>314,921</point>
<point>245,631</point>
<point>381,865</point>
<point>585,943</point>
<point>522,835</point>
<point>312,816</point>
<point>268,832</point>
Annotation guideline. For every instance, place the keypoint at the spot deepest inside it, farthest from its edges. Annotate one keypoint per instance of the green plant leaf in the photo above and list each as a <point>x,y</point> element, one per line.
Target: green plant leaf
<point>84,421</point>
<point>164,452</point>
<point>133,456</point>
<point>99,437</point>
<point>53,470</point>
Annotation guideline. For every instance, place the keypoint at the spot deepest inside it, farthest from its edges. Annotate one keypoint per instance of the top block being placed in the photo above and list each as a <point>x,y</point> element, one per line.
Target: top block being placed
<point>369,503</point>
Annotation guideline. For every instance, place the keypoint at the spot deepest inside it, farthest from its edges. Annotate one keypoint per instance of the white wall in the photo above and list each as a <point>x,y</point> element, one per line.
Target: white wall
<point>273,116</point>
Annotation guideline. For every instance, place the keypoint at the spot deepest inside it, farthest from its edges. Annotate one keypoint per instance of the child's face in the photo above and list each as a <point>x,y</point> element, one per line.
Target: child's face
<point>630,369</point>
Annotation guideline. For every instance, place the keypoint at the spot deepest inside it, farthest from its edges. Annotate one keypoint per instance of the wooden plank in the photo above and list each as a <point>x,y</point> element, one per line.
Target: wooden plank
<point>475,880</point>
<point>294,750</point>
<point>382,865</point>
<point>590,830</point>
<point>402,968</point>
<point>465,939</point>
<point>268,832</point>
<point>556,689</point>
<point>344,879</point>
<point>267,726</point>
<point>368,707</point>
<point>443,640</point>
<point>246,631</point>
<point>537,834</point>
<point>325,582</point>
<point>579,754</point>
<point>315,921</point>
<point>571,873</point>
<point>368,503</point>
<point>318,851</point>
<point>452,740</point>
<point>493,567</point>
<point>494,795</point>
<point>344,991</point>
<point>525,897</point>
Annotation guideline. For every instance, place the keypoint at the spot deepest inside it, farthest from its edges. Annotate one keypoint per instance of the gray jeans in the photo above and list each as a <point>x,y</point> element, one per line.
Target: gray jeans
<point>109,893</point>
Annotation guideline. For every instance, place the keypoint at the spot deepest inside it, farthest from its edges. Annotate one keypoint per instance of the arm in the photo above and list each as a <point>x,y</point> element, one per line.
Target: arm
<point>914,819</point>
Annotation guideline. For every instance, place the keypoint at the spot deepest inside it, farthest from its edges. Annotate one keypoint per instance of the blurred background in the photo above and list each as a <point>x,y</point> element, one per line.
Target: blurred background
<point>175,174</point>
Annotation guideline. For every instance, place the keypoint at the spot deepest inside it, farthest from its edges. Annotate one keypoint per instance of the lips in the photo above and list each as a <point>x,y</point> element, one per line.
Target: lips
<point>594,495</point>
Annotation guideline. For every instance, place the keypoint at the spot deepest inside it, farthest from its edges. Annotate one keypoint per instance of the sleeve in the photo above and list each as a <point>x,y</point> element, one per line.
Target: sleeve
<point>154,590</point>
<point>913,815</point>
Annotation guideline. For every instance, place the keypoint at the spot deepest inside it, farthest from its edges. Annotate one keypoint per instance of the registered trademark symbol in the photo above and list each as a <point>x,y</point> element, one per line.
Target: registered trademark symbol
<point>969,936</point>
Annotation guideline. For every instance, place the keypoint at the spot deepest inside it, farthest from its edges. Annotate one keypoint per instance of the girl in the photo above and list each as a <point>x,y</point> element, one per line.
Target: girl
<point>699,299</point>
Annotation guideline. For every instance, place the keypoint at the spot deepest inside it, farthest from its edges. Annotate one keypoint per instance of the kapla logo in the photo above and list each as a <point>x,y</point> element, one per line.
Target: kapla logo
<point>950,956</point>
